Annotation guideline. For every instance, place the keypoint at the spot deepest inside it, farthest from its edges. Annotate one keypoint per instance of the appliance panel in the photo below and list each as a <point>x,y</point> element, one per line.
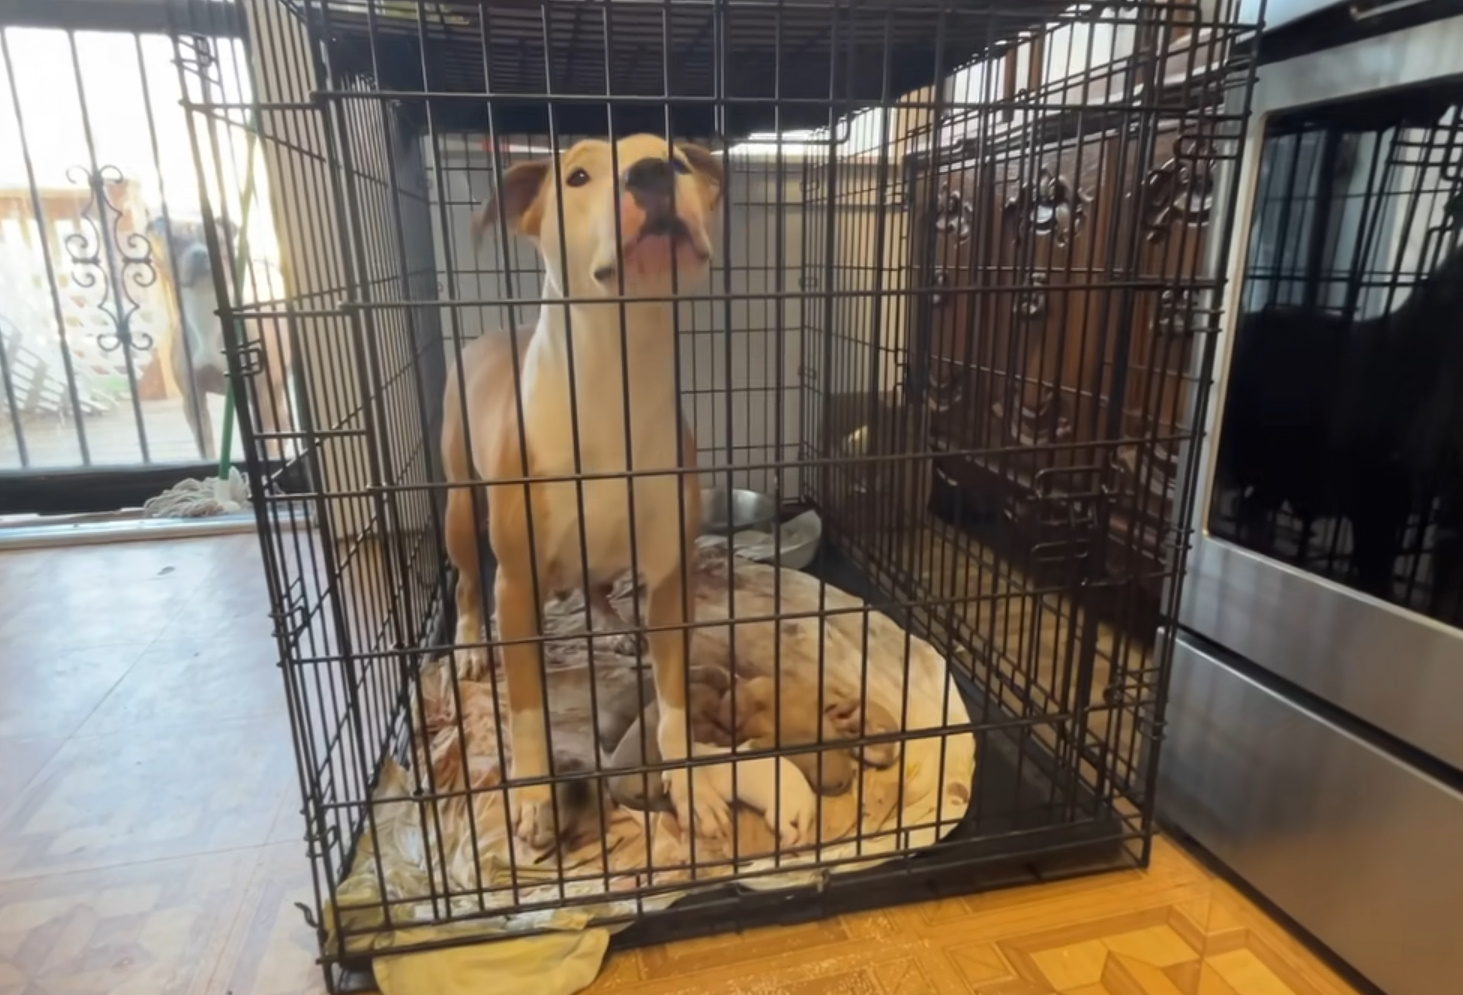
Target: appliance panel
<point>1356,846</point>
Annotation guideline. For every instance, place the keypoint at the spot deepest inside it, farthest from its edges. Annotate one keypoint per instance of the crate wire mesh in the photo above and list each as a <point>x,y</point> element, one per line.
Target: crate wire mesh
<point>908,187</point>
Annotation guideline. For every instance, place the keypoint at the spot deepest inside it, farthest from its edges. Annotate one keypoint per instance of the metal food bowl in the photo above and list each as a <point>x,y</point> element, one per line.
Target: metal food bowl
<point>798,541</point>
<point>749,510</point>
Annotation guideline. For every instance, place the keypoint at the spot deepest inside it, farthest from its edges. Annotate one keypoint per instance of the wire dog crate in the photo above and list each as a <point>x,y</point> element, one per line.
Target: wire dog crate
<point>960,256</point>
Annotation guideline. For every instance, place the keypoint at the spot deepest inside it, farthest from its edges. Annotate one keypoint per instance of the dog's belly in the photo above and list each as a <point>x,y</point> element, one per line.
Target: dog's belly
<point>603,549</point>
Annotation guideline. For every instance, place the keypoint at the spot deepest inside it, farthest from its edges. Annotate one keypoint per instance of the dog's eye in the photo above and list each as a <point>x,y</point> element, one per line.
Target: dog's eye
<point>679,166</point>
<point>578,178</point>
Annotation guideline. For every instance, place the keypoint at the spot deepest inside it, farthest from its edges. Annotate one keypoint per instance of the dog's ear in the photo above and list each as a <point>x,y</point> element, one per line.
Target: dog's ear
<point>516,202</point>
<point>707,166</point>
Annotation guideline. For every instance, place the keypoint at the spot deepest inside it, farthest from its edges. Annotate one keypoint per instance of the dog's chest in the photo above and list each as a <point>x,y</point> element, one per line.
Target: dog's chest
<point>587,525</point>
<point>202,326</point>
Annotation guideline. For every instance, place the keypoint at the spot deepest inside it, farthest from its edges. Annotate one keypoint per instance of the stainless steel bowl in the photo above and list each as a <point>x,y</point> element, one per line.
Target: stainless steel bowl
<point>749,510</point>
<point>798,540</point>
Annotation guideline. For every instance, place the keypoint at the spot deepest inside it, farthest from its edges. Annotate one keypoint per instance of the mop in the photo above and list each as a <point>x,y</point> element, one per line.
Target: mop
<point>227,491</point>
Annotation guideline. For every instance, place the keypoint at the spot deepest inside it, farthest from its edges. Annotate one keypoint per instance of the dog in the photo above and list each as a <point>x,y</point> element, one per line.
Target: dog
<point>763,726</point>
<point>633,216</point>
<point>780,788</point>
<point>1293,434</point>
<point>830,767</point>
<point>625,739</point>
<point>773,786</point>
<point>199,365</point>
<point>1347,419</point>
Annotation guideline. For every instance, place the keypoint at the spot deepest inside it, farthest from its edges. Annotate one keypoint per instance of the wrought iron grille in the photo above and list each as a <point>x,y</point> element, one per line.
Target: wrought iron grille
<point>112,357</point>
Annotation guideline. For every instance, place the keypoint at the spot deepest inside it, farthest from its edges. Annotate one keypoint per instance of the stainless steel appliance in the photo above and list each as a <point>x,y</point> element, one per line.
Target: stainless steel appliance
<point>1314,736</point>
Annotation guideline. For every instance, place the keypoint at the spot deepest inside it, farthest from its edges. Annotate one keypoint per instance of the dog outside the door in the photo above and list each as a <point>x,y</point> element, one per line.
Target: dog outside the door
<point>199,365</point>
<point>637,216</point>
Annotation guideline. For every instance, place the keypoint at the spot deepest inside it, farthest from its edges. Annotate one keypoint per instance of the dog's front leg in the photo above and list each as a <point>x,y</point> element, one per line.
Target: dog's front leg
<point>195,411</point>
<point>531,808</point>
<point>470,656</point>
<point>693,792</point>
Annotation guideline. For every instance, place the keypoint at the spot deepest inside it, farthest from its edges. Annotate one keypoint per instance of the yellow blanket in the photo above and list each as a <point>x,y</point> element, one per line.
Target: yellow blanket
<point>420,846</point>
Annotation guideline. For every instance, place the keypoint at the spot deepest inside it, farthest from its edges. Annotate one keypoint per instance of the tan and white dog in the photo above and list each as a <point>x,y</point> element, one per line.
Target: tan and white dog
<point>665,202</point>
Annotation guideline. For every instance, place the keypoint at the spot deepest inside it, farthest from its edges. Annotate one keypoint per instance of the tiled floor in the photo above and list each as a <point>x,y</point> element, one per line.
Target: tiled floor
<point>111,438</point>
<point>149,841</point>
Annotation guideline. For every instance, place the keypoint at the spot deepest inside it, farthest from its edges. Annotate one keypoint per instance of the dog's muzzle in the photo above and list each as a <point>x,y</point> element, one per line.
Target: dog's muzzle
<point>194,266</point>
<point>652,182</point>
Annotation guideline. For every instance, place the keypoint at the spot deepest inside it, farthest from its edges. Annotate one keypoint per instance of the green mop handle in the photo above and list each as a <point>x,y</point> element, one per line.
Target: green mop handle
<point>241,272</point>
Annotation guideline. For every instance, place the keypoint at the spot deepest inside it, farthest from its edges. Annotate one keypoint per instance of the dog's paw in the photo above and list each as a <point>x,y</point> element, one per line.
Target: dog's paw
<point>471,662</point>
<point>704,811</point>
<point>628,643</point>
<point>718,679</point>
<point>795,820</point>
<point>532,811</point>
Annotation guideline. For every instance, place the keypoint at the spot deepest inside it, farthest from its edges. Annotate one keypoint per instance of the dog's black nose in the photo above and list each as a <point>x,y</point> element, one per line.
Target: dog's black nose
<point>193,266</point>
<point>652,183</point>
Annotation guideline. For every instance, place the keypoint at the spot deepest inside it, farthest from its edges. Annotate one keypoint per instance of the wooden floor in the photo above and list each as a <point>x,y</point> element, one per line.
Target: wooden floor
<point>1170,930</point>
<point>150,844</point>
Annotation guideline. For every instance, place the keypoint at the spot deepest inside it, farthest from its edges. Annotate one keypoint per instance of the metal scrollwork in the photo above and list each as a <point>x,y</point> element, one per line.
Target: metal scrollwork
<point>953,213</point>
<point>940,443</point>
<point>1174,313</point>
<point>946,388</point>
<point>1048,206</point>
<point>1031,303</point>
<point>1027,426</point>
<point>1180,191</point>
<point>1147,466</point>
<point>119,263</point>
<point>1453,211</point>
<point>942,279</point>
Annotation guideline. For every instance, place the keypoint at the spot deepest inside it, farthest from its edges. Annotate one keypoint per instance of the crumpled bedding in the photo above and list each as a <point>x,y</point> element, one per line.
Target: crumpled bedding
<point>416,849</point>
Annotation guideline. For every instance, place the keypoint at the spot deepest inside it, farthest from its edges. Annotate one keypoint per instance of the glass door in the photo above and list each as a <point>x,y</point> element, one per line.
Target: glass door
<point>1341,448</point>
<point>1330,499</point>
<point>112,365</point>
